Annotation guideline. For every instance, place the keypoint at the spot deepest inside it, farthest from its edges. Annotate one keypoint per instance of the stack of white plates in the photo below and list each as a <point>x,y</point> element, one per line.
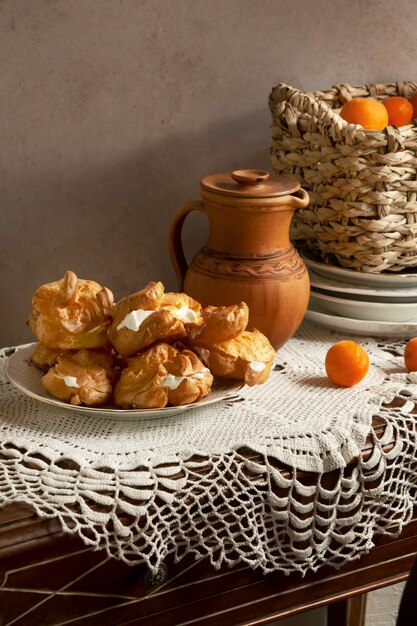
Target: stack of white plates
<point>362,303</point>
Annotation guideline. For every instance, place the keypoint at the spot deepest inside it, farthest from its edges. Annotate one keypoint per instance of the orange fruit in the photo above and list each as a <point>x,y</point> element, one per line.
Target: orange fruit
<point>346,363</point>
<point>400,110</point>
<point>367,112</point>
<point>413,101</point>
<point>410,355</point>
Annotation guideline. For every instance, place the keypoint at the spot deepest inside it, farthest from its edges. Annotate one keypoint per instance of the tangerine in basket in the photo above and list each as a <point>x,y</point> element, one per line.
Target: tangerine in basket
<point>400,110</point>
<point>346,363</point>
<point>410,355</point>
<point>367,112</point>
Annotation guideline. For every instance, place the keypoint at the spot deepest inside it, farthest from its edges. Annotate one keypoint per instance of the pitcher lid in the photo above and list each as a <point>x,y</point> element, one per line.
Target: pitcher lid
<point>251,183</point>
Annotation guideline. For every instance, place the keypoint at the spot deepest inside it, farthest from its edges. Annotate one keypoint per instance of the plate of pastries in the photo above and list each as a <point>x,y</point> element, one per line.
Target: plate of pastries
<point>150,354</point>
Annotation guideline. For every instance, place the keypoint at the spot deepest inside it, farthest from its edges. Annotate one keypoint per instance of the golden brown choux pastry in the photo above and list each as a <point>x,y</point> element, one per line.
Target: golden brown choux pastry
<point>71,313</point>
<point>89,385</point>
<point>219,323</point>
<point>150,315</point>
<point>45,357</point>
<point>247,357</point>
<point>95,358</point>
<point>148,298</point>
<point>179,303</point>
<point>162,375</point>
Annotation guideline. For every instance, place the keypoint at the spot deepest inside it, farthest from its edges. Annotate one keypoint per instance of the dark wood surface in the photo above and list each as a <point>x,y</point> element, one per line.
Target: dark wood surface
<point>51,578</point>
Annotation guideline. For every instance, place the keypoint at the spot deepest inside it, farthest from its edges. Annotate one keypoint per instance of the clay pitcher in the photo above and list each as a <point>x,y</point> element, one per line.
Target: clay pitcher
<point>248,256</point>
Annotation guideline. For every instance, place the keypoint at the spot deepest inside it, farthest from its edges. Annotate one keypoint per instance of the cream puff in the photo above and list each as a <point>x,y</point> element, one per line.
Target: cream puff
<point>150,315</point>
<point>162,375</point>
<point>218,324</point>
<point>247,357</point>
<point>45,357</point>
<point>86,384</point>
<point>71,313</point>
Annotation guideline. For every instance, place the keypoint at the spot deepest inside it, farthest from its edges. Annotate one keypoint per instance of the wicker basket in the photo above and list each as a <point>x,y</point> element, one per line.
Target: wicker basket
<point>362,184</point>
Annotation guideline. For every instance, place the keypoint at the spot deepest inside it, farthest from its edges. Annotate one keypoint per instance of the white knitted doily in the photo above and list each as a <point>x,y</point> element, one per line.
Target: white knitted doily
<point>208,481</point>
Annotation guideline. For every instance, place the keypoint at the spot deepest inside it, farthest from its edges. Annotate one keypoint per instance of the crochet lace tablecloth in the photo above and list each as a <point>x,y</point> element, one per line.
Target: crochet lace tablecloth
<point>245,480</point>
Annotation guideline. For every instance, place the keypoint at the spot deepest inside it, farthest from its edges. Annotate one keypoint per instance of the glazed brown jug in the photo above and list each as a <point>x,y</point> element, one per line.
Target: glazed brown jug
<point>248,256</point>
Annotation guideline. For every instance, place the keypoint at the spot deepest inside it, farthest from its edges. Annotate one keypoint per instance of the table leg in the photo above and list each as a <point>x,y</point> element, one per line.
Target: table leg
<point>349,612</point>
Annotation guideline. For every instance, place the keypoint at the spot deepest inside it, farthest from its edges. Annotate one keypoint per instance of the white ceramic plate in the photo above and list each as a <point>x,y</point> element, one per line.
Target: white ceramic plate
<point>362,310</point>
<point>26,377</point>
<point>368,328</point>
<point>341,289</point>
<point>396,280</point>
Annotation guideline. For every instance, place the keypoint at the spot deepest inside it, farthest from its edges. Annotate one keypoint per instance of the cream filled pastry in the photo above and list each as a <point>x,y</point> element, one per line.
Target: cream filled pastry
<point>247,357</point>
<point>86,384</point>
<point>162,375</point>
<point>218,324</point>
<point>151,349</point>
<point>150,315</point>
<point>45,357</point>
<point>71,313</point>
<point>95,358</point>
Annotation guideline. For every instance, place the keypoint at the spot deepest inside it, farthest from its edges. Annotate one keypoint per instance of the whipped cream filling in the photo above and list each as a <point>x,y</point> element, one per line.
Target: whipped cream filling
<point>135,319</point>
<point>70,381</point>
<point>184,314</point>
<point>172,382</point>
<point>257,366</point>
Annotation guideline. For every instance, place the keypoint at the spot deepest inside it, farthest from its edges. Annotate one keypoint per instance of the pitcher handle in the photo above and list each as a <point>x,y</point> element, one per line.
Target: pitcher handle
<point>301,200</point>
<point>176,250</point>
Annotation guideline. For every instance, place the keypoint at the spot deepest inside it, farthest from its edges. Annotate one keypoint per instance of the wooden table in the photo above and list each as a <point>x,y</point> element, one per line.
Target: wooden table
<point>50,578</point>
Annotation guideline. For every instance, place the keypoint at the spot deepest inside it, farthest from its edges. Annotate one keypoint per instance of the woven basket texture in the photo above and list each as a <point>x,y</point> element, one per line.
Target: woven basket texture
<point>362,184</point>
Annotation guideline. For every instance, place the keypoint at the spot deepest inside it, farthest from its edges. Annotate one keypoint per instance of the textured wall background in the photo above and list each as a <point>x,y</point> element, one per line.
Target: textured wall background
<point>112,112</point>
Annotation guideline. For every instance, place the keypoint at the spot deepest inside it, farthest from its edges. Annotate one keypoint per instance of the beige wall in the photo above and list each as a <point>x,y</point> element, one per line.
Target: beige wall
<point>112,111</point>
